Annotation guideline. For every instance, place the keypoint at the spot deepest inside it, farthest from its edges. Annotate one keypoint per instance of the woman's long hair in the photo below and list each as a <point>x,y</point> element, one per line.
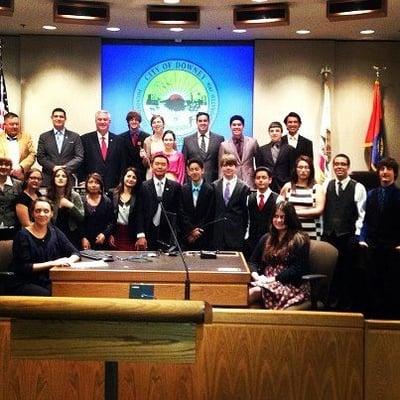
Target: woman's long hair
<point>52,190</point>
<point>28,175</point>
<point>277,250</point>
<point>295,178</point>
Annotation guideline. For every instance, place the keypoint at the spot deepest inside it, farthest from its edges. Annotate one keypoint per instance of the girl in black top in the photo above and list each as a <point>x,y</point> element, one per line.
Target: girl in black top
<point>99,215</point>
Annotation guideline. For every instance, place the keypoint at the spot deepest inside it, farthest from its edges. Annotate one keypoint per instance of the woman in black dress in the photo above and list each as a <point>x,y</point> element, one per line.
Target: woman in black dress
<point>68,206</point>
<point>30,192</point>
<point>125,203</point>
<point>99,215</point>
<point>36,249</point>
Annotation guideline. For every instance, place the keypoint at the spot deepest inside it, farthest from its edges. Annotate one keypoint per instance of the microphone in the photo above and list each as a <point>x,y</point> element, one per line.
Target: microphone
<point>187,278</point>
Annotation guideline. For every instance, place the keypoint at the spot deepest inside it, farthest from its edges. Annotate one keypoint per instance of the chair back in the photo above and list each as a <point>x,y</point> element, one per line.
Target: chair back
<point>322,259</point>
<point>5,260</point>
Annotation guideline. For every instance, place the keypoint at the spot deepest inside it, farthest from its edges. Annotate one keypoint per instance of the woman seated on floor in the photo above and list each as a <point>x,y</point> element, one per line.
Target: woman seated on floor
<point>279,261</point>
<point>36,249</point>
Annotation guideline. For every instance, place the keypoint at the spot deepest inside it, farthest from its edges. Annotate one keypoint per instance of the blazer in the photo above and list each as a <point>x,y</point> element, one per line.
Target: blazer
<point>171,199</point>
<point>27,153</point>
<point>245,169</point>
<point>110,168</point>
<point>48,156</point>
<point>191,149</point>
<point>304,147</point>
<point>130,153</point>
<point>192,217</point>
<point>229,234</point>
<point>282,169</point>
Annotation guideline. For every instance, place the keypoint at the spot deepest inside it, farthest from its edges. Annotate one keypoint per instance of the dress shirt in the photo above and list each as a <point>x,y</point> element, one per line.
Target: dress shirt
<point>156,180</point>
<point>266,194</point>
<point>232,184</point>
<point>100,136</point>
<point>292,140</point>
<point>195,192</point>
<point>206,139</point>
<point>13,151</point>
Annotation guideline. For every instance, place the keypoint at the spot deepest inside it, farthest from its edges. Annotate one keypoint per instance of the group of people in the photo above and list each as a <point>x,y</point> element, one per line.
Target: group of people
<point>219,195</point>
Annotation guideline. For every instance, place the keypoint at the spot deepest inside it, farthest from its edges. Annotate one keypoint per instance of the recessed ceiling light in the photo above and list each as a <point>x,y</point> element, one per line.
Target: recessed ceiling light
<point>113,29</point>
<point>303,32</point>
<point>367,32</point>
<point>49,27</point>
<point>259,1</point>
<point>239,31</point>
<point>177,29</point>
<point>171,1</point>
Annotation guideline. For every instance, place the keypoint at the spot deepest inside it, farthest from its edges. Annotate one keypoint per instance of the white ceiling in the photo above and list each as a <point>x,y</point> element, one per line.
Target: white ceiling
<point>216,22</point>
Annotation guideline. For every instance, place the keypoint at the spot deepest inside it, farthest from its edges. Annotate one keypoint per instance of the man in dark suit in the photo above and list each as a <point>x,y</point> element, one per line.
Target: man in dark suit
<point>302,145</point>
<point>230,205</point>
<point>152,227</point>
<point>380,236</point>
<point>204,145</point>
<point>197,210</point>
<point>278,157</point>
<point>59,147</point>
<point>132,145</point>
<point>102,152</point>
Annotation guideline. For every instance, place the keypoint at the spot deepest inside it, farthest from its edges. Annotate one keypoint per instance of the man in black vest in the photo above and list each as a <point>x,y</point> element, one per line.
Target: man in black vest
<point>380,235</point>
<point>343,218</point>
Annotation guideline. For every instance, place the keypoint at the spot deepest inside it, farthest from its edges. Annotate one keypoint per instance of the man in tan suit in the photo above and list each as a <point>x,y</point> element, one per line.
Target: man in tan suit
<point>17,146</point>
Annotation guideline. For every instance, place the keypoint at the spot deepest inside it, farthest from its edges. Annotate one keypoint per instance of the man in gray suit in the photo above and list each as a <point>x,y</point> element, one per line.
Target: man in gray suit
<point>59,147</point>
<point>204,145</point>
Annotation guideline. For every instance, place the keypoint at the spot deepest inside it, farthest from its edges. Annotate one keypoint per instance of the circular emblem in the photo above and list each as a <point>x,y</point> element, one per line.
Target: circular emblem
<point>177,90</point>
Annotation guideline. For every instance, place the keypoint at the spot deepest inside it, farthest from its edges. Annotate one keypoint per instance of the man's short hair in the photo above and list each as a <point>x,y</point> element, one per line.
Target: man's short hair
<point>390,163</point>
<point>201,113</point>
<point>10,115</point>
<point>133,115</point>
<point>195,161</point>
<point>102,112</point>
<point>6,160</point>
<point>236,117</point>
<point>228,159</point>
<point>264,169</point>
<point>294,115</point>
<point>59,109</point>
<point>275,124</point>
<point>159,155</point>
<point>343,156</point>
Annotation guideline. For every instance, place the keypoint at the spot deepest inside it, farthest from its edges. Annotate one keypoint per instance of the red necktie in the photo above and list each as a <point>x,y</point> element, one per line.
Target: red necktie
<point>103,148</point>
<point>261,203</point>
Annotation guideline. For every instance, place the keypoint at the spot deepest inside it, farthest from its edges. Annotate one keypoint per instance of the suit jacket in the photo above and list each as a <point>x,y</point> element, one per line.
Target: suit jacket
<point>229,234</point>
<point>171,199</point>
<point>304,147</point>
<point>191,149</point>
<point>27,153</point>
<point>130,153</point>
<point>192,217</point>
<point>110,168</point>
<point>48,156</point>
<point>245,169</point>
<point>282,168</point>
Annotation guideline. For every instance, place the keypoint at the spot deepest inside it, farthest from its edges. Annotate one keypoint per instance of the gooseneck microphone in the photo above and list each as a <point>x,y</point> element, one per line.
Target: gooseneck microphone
<point>178,246</point>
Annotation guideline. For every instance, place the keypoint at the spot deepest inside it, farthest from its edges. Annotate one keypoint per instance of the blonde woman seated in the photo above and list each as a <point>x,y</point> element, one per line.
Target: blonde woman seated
<point>279,261</point>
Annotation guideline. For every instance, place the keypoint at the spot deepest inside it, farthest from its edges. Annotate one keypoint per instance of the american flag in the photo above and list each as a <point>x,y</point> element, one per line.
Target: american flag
<point>3,91</point>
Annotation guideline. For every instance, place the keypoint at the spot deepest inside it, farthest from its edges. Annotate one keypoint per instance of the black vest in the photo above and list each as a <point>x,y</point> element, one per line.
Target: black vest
<point>260,219</point>
<point>340,213</point>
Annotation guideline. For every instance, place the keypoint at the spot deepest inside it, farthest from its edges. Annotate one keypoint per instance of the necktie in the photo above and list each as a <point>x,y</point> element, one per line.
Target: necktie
<point>59,140</point>
<point>261,203</point>
<point>203,144</point>
<point>275,152</point>
<point>340,188</point>
<point>195,192</point>
<point>227,193</point>
<point>381,198</point>
<point>103,148</point>
<point>239,147</point>
<point>157,215</point>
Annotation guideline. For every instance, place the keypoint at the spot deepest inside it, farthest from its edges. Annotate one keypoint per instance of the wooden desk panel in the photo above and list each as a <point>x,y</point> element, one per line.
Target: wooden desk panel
<point>222,281</point>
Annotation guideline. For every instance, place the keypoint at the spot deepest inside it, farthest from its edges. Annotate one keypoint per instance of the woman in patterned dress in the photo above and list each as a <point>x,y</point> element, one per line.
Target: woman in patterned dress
<point>279,261</point>
<point>306,195</point>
